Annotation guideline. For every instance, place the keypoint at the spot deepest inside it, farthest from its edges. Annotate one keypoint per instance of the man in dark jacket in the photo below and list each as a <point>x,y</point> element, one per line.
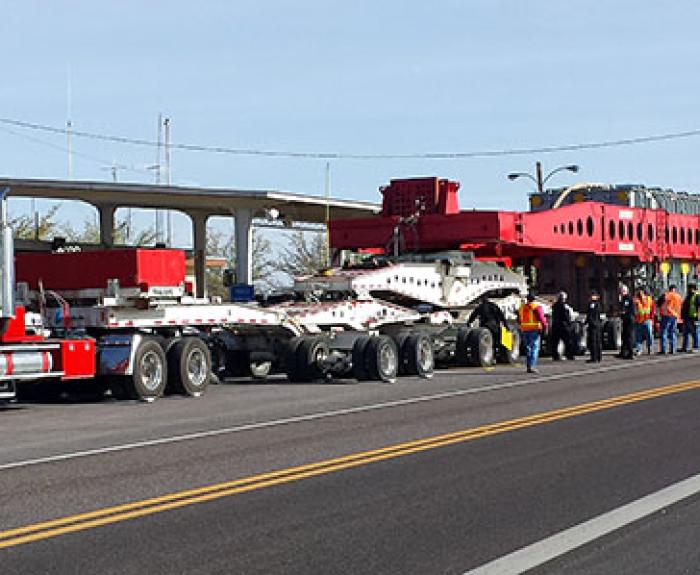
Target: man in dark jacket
<point>689,314</point>
<point>491,317</point>
<point>593,323</point>
<point>627,316</point>
<point>562,328</point>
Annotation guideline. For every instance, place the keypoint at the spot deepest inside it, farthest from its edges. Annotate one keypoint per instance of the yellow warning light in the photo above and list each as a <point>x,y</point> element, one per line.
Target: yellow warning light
<point>623,196</point>
<point>535,201</point>
<point>579,197</point>
<point>685,268</point>
<point>665,267</point>
<point>580,261</point>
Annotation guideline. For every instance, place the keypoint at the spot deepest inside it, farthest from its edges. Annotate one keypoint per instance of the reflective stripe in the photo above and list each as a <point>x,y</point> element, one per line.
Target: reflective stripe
<point>642,309</point>
<point>527,317</point>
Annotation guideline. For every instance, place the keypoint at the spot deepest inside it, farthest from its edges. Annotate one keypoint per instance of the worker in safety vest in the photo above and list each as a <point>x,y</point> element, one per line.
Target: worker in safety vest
<point>643,316</point>
<point>689,314</point>
<point>532,320</point>
<point>670,311</point>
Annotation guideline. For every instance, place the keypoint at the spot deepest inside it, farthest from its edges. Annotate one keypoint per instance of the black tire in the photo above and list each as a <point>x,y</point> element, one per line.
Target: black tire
<point>189,366</point>
<point>290,360</point>
<point>462,352</point>
<point>309,353</point>
<point>510,356</point>
<point>417,356</point>
<point>382,359</point>
<point>260,369</point>
<point>481,351</point>
<point>579,338</point>
<point>359,371</point>
<point>150,372</point>
<point>612,334</point>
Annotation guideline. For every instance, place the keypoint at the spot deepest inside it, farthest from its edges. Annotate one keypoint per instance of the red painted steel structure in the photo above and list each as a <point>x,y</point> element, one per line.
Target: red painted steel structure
<point>649,235</point>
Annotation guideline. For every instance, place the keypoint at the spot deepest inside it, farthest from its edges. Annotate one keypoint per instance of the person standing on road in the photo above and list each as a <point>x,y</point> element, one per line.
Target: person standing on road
<point>562,328</point>
<point>491,317</point>
<point>670,310</point>
<point>643,314</point>
<point>532,320</point>
<point>689,314</point>
<point>594,326</point>
<point>627,316</point>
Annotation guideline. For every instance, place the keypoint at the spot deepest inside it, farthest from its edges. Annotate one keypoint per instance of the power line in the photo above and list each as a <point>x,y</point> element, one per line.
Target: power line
<point>350,156</point>
<point>60,148</point>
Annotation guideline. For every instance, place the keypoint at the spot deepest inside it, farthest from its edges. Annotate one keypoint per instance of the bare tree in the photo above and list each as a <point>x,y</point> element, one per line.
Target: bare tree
<point>223,246</point>
<point>90,234</point>
<point>304,255</point>
<point>45,227</point>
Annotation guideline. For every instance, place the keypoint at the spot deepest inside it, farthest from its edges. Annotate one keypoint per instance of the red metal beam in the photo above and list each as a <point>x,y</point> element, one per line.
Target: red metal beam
<point>588,227</point>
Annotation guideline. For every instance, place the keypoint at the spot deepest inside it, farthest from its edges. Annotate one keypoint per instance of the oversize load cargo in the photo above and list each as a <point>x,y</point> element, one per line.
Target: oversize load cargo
<point>133,267</point>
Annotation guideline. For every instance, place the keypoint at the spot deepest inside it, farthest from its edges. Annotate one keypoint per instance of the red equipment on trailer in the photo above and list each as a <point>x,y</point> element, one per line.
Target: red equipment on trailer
<point>420,215</point>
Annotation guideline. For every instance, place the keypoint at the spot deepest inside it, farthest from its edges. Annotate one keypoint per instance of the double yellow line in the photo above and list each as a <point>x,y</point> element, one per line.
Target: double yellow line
<point>99,517</point>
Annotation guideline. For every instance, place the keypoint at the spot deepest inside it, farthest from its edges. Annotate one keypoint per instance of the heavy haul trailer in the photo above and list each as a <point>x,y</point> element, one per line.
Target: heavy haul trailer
<point>389,316</point>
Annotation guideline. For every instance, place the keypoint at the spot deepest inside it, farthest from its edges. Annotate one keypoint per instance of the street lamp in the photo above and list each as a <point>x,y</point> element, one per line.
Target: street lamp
<point>540,181</point>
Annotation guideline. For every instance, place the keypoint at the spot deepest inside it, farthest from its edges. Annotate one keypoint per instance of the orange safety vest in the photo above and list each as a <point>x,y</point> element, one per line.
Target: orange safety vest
<point>527,317</point>
<point>642,308</point>
<point>672,305</point>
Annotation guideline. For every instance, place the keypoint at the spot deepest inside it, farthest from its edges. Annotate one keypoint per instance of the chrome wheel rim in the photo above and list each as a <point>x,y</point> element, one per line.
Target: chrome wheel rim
<point>151,371</point>
<point>425,355</point>
<point>387,360</point>
<point>197,367</point>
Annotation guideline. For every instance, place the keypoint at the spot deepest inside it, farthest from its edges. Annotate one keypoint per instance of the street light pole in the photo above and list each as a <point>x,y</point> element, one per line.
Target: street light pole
<point>538,179</point>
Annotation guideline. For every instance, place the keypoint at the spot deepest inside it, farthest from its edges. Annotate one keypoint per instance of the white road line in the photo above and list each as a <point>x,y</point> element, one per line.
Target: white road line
<point>557,545</point>
<point>325,414</point>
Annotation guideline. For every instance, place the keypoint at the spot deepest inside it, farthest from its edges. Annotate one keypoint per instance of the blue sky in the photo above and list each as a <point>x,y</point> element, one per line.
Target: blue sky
<point>356,77</point>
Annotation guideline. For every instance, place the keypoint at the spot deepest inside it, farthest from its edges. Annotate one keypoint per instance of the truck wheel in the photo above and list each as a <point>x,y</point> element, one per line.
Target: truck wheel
<point>512,355</point>
<point>290,360</point>
<point>150,373</point>
<point>480,342</point>
<point>417,356</point>
<point>359,371</point>
<point>580,339</point>
<point>612,334</point>
<point>310,354</point>
<point>260,369</point>
<point>462,350</point>
<point>382,359</point>
<point>189,366</point>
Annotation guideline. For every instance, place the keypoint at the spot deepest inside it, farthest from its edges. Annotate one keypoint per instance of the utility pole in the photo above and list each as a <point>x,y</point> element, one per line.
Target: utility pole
<point>540,182</point>
<point>328,214</point>
<point>159,215</point>
<point>69,126</point>
<point>166,125</point>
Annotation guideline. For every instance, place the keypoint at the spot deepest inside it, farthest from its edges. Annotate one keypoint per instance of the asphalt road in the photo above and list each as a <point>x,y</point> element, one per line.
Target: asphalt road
<point>279,478</point>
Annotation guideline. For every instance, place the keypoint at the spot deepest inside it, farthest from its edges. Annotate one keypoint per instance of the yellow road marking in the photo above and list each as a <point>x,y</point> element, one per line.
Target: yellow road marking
<point>118,513</point>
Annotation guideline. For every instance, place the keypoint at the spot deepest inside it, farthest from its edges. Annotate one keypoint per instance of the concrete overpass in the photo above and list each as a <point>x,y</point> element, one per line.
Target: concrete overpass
<point>199,204</point>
